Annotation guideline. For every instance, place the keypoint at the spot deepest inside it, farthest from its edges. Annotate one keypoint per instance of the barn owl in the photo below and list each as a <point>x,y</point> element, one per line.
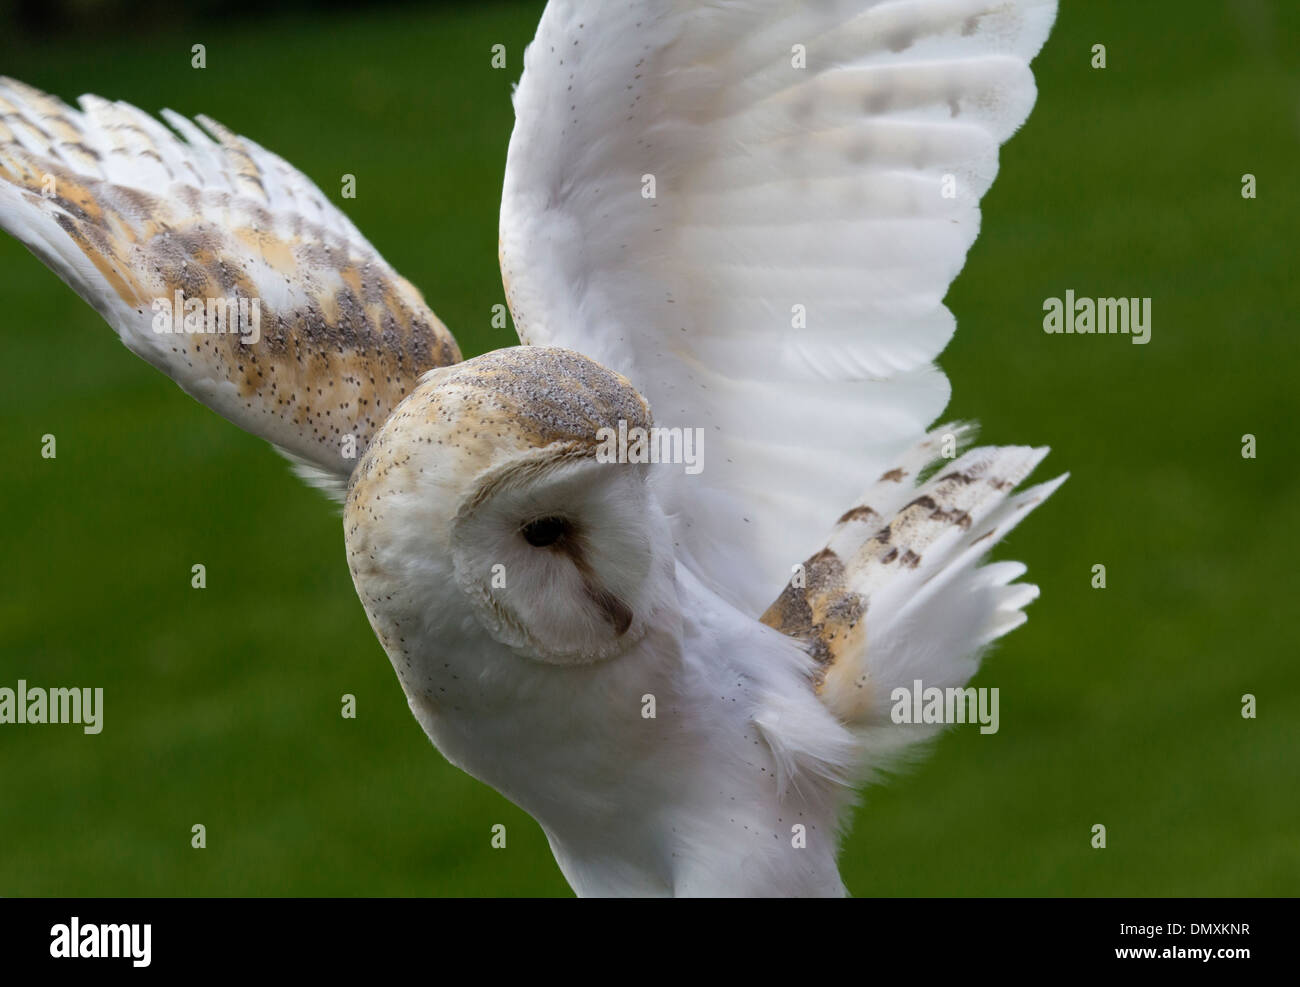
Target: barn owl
<point>735,221</point>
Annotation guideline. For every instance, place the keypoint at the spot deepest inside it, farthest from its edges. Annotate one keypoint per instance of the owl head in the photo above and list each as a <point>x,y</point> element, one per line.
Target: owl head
<point>480,508</point>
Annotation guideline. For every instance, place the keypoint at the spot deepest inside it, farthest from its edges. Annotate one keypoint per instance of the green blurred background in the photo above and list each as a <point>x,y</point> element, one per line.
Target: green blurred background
<point>1119,706</point>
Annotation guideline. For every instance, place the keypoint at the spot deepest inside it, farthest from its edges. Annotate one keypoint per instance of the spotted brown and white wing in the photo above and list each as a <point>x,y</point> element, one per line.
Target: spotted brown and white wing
<point>898,592</point>
<point>128,212</point>
<point>753,210</point>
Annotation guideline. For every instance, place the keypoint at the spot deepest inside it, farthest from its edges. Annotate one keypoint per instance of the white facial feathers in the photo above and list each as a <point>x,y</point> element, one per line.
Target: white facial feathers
<point>484,485</point>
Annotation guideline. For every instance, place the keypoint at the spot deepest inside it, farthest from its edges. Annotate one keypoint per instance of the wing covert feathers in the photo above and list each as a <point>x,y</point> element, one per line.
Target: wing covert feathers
<point>753,210</point>
<point>309,337</point>
<point>897,592</point>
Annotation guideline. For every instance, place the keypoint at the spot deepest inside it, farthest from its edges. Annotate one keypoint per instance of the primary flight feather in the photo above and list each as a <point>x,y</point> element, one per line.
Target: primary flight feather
<point>732,220</point>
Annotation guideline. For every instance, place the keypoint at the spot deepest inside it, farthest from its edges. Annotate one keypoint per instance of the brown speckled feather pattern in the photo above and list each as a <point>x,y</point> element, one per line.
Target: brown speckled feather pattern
<point>127,212</point>
<point>896,526</point>
<point>496,409</point>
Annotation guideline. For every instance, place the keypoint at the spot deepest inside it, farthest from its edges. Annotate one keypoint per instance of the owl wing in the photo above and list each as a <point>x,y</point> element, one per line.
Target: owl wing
<point>310,337</point>
<point>753,210</point>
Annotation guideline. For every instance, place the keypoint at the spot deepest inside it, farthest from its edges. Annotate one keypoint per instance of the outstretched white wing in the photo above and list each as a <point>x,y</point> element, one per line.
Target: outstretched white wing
<point>145,226</point>
<point>753,210</point>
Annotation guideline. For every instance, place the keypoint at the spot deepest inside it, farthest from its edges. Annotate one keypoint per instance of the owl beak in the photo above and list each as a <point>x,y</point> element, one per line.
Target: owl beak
<point>614,610</point>
<point>618,613</point>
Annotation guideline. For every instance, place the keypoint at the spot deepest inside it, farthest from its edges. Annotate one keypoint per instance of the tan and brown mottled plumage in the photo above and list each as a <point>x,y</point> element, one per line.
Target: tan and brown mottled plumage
<point>127,212</point>
<point>900,525</point>
<point>495,411</point>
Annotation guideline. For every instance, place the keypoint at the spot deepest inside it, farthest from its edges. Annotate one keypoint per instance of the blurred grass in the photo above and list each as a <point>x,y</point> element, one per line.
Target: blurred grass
<point>1119,706</point>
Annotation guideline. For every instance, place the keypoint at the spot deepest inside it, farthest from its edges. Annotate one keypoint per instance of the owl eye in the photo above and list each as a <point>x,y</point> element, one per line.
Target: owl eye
<point>545,531</point>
